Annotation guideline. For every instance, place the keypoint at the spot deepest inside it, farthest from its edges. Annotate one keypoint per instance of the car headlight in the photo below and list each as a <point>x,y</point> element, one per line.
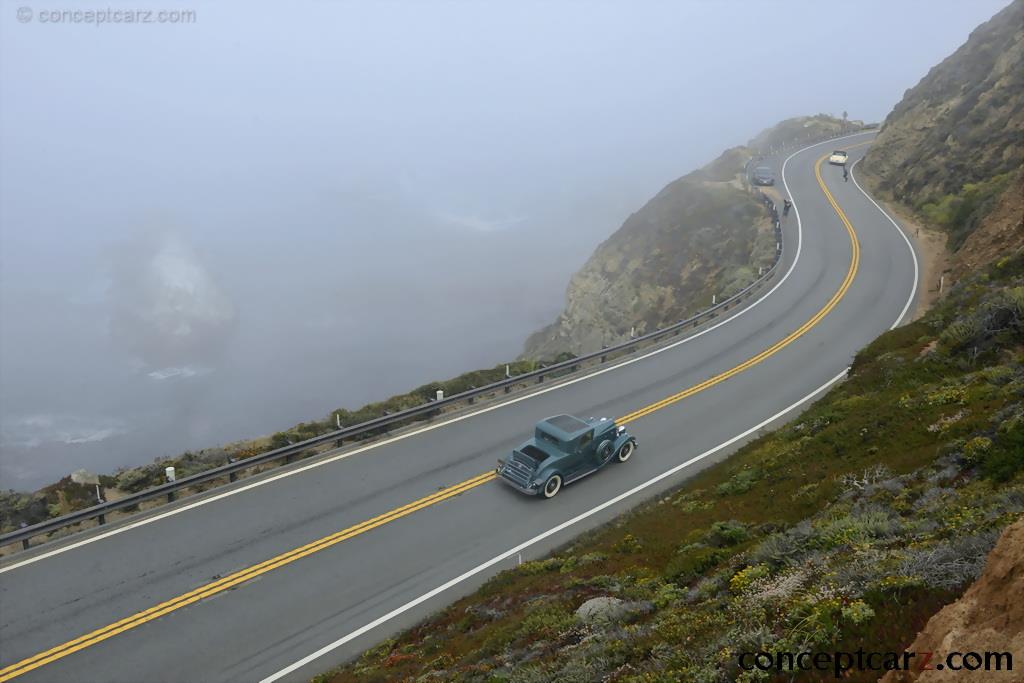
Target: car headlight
<point>620,430</point>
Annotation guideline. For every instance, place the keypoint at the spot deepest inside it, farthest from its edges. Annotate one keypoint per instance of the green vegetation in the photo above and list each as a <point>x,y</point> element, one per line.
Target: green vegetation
<point>851,525</point>
<point>65,496</point>
<point>958,214</point>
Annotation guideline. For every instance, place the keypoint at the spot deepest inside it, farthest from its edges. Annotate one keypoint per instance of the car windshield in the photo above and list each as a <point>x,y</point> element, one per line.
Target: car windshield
<point>764,171</point>
<point>839,153</point>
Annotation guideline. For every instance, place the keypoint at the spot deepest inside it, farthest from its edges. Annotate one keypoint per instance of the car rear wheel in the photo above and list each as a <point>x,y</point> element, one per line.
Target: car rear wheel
<point>552,486</point>
<point>626,451</point>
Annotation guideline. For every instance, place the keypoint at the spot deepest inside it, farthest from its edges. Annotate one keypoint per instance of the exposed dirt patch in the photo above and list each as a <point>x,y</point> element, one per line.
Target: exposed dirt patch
<point>1001,233</point>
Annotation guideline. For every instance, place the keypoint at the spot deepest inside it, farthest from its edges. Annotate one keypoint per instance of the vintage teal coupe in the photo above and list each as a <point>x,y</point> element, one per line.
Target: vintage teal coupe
<point>563,449</point>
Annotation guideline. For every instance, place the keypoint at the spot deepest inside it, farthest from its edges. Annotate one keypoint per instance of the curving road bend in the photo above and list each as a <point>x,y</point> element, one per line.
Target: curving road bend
<point>283,575</point>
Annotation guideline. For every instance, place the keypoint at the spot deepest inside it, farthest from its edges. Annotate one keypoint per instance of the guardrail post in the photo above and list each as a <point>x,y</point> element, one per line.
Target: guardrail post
<point>102,518</point>
<point>604,356</point>
<point>169,473</point>
<point>233,476</point>
<point>24,544</point>
<point>508,388</point>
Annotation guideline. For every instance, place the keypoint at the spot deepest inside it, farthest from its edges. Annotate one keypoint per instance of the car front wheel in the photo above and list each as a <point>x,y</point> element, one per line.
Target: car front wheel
<point>552,486</point>
<point>626,451</point>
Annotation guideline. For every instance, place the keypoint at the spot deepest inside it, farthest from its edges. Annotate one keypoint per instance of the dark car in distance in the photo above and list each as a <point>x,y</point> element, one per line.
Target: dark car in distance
<point>763,175</point>
<point>563,449</point>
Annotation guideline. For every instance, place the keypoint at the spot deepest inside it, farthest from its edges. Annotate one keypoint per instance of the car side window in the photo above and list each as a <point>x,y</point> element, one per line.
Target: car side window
<point>586,439</point>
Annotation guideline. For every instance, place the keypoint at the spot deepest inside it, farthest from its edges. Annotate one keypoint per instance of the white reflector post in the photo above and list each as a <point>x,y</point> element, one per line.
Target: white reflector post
<point>169,473</point>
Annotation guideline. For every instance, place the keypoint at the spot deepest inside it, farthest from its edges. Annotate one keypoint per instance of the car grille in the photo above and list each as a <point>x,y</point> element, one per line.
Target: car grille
<point>518,469</point>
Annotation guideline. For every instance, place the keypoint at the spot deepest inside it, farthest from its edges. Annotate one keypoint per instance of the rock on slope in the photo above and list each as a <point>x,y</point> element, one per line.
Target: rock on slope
<point>702,235</point>
<point>988,618</point>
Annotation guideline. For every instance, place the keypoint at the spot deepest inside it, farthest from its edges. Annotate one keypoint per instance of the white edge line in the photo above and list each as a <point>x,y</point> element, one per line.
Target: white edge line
<point>913,254</point>
<point>540,537</point>
<point>341,456</point>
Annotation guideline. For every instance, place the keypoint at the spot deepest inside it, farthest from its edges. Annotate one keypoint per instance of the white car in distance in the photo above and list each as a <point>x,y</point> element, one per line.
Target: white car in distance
<point>838,158</point>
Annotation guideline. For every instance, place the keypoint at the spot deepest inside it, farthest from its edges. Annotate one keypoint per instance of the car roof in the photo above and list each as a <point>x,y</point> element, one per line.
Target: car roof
<point>564,427</point>
<point>839,151</point>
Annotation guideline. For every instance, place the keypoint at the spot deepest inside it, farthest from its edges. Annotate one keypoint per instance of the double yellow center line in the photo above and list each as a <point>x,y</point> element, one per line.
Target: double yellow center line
<point>244,575</point>
<point>782,343</point>
<point>232,580</point>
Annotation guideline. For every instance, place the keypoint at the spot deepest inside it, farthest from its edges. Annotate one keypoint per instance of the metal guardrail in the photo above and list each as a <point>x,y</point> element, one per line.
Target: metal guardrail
<point>288,453</point>
<point>231,470</point>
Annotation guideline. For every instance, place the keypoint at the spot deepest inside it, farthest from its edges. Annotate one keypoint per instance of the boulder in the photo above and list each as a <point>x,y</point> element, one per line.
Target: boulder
<point>609,610</point>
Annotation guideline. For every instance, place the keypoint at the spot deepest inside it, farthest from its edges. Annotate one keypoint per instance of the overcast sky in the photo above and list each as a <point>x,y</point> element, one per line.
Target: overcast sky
<point>217,227</point>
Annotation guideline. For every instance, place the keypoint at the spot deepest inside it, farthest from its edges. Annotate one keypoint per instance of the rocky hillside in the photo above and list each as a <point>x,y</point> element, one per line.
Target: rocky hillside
<point>949,148</point>
<point>695,238</point>
<point>702,235</point>
<point>1001,231</point>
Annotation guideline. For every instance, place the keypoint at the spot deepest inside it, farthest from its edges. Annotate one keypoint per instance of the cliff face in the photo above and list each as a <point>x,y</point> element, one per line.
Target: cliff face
<point>696,237</point>
<point>702,235</point>
<point>988,618</point>
<point>947,149</point>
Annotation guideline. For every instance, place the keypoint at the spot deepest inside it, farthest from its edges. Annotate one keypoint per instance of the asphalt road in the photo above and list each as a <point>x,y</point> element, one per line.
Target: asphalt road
<point>331,598</point>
